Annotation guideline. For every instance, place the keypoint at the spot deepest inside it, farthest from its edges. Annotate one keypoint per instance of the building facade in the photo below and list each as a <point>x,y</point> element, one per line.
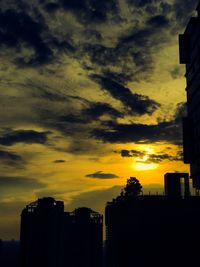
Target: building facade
<point>51,237</point>
<point>190,56</point>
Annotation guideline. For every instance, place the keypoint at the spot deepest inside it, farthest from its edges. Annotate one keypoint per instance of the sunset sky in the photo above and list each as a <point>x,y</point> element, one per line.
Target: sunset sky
<point>91,93</point>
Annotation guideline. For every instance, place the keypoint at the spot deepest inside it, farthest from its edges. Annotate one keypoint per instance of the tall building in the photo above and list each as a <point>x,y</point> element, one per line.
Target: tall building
<point>87,238</point>
<point>153,230</point>
<point>41,233</point>
<point>190,55</point>
<point>51,237</point>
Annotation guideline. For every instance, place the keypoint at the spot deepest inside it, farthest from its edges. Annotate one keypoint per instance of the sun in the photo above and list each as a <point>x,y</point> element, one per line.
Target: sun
<point>142,164</point>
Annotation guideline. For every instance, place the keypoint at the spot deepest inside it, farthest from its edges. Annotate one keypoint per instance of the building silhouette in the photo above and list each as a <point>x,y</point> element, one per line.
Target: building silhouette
<point>153,230</point>
<point>88,243</point>
<point>190,55</point>
<point>177,184</point>
<point>51,237</point>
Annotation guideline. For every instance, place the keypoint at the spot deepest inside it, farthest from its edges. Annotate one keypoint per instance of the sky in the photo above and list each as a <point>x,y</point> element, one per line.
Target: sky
<point>91,93</point>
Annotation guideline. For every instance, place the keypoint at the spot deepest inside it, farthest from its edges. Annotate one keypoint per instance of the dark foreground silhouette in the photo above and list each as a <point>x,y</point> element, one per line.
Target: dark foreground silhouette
<point>9,253</point>
<point>140,231</point>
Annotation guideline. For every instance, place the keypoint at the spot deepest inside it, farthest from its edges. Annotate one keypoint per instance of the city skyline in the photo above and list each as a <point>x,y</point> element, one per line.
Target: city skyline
<point>91,94</point>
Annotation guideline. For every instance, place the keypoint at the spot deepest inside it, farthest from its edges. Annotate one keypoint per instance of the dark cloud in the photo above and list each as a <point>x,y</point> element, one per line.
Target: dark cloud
<point>159,21</point>
<point>91,10</point>
<point>137,37</point>
<point>23,136</point>
<point>11,159</point>
<point>6,156</point>
<point>59,161</point>
<point>39,47</point>
<point>20,182</point>
<point>170,131</point>
<point>52,7</point>
<point>140,3</point>
<point>132,153</point>
<point>139,43</point>
<point>151,158</point>
<point>101,175</point>
<point>93,112</point>
<point>181,112</point>
<point>98,109</point>
<point>184,11</point>
<point>180,10</point>
<point>131,56</point>
<point>158,158</point>
<point>135,103</point>
<point>15,30</point>
<point>139,133</point>
<point>72,118</point>
<point>129,59</point>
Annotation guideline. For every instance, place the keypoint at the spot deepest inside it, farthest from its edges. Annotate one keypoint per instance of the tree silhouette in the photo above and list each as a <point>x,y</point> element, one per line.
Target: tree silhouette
<point>133,187</point>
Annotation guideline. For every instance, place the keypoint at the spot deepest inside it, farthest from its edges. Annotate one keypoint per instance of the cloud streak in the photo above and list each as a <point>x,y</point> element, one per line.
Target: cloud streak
<point>102,175</point>
<point>20,182</point>
<point>23,136</point>
<point>135,103</point>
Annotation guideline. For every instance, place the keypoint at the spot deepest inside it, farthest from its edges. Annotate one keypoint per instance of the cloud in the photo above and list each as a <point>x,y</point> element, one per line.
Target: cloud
<point>10,158</point>
<point>39,47</point>
<point>167,131</point>
<point>132,153</point>
<point>19,182</point>
<point>101,175</point>
<point>98,109</point>
<point>158,158</point>
<point>158,21</point>
<point>52,7</point>
<point>91,10</point>
<point>181,10</point>
<point>23,136</point>
<point>151,158</point>
<point>93,112</point>
<point>139,133</point>
<point>135,103</point>
<point>50,38</point>
<point>15,30</point>
<point>59,161</point>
